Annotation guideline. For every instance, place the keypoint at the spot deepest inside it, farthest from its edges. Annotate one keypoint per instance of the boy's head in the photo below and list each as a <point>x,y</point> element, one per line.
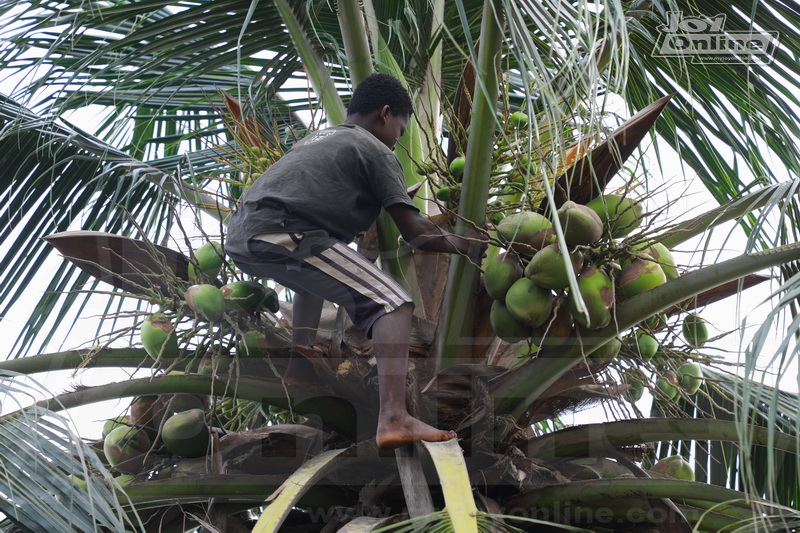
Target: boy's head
<point>377,91</point>
<point>382,106</point>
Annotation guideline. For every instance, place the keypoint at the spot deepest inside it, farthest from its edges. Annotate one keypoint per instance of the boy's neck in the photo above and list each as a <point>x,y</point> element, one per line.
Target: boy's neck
<point>365,121</point>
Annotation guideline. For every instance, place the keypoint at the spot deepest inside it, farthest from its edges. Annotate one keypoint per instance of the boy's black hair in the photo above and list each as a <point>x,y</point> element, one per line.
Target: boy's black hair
<point>378,90</point>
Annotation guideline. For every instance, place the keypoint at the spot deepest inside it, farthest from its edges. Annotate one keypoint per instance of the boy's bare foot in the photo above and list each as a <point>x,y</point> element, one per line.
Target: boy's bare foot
<point>397,431</point>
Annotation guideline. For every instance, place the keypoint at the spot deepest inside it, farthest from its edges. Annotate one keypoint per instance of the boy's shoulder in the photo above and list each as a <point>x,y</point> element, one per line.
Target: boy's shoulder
<point>345,135</point>
<point>327,135</point>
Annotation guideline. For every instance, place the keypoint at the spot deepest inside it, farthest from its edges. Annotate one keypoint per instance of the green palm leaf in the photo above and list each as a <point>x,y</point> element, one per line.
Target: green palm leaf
<point>40,451</point>
<point>747,111</point>
<point>54,170</point>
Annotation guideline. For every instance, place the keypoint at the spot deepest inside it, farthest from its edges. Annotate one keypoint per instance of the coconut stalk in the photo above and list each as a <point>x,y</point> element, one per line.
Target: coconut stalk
<point>428,103</point>
<point>354,37</point>
<point>602,490</point>
<point>518,389</point>
<point>774,195</point>
<point>629,493</point>
<point>318,73</point>
<point>455,341</point>
<point>337,413</point>
<point>73,359</point>
<point>581,441</point>
<point>238,486</point>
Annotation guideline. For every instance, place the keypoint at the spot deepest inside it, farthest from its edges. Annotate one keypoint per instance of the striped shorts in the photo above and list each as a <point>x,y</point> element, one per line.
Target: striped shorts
<point>337,274</point>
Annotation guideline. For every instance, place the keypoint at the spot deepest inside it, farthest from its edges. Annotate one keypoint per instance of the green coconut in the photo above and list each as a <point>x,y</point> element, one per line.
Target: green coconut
<point>112,423</point>
<point>691,377</point>
<point>645,345</point>
<point>635,379</point>
<point>597,291</point>
<point>496,218</point>
<point>546,268</point>
<point>457,166</point>
<point>253,344</point>
<point>172,404</point>
<point>207,301</point>
<point>695,330</point>
<point>640,275</point>
<point>529,303</point>
<point>159,337</point>
<point>499,274</point>
<point>527,232</point>
<point>125,449</point>
<point>656,322</point>
<point>581,224</point>
<point>661,255</point>
<point>607,352</point>
<point>210,257</point>
<point>246,296</point>
<point>620,214</point>
<point>518,119</point>
<point>505,325</point>
<point>674,466</point>
<point>79,481</point>
<point>125,479</point>
<point>427,168</point>
<point>667,386</point>
<point>186,434</point>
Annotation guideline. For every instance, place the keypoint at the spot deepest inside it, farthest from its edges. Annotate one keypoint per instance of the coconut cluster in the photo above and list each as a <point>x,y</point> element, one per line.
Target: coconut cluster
<point>534,303</point>
<point>208,301</point>
<point>157,430</point>
<point>209,323</point>
<point>676,374</point>
<point>530,282</point>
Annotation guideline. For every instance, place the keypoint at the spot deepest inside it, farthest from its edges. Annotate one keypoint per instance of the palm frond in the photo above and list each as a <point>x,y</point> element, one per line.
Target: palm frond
<point>282,501</point>
<point>729,121</point>
<point>42,459</point>
<point>51,170</point>
<point>452,470</point>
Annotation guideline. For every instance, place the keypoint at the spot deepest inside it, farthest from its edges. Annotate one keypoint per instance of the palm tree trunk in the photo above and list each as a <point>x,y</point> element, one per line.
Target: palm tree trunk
<point>455,342</point>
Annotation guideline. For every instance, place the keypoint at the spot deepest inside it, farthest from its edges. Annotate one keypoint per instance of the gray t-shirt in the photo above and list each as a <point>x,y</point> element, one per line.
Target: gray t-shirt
<point>334,180</point>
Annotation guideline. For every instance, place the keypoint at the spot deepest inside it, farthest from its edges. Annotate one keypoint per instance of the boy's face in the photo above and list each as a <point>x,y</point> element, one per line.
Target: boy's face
<point>389,127</point>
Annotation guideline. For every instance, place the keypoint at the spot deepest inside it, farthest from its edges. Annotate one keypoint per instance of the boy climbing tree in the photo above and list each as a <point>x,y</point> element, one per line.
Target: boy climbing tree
<point>294,225</point>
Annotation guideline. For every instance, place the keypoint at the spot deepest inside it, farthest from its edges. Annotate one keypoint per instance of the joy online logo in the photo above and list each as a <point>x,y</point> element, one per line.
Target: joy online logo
<point>705,40</point>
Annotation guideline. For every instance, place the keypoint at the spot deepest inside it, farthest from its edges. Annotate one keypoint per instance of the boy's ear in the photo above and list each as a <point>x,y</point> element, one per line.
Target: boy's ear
<point>385,112</point>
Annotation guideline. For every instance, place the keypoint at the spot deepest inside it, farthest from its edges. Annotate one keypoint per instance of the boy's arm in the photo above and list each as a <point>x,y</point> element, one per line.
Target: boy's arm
<point>423,234</point>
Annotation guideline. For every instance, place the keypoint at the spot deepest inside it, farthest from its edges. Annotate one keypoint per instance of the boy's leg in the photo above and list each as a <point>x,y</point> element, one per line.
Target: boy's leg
<point>377,304</point>
<point>306,312</point>
<point>396,427</point>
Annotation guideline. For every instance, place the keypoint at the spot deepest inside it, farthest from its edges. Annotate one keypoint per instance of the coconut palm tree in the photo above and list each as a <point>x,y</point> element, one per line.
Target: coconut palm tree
<point>202,96</point>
